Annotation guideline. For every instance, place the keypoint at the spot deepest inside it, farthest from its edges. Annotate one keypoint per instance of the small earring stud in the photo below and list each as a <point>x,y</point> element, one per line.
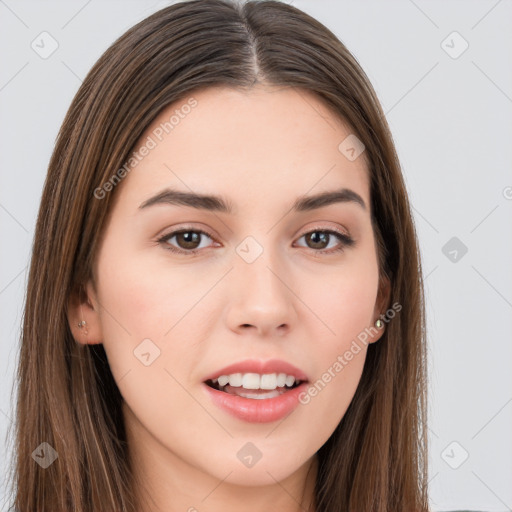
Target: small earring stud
<point>81,324</point>
<point>379,323</point>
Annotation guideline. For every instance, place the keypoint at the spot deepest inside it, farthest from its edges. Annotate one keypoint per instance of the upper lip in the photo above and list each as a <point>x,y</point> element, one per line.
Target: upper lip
<point>261,367</point>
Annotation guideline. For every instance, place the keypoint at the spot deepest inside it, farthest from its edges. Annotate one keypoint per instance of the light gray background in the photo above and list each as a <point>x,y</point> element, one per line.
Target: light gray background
<point>452,124</point>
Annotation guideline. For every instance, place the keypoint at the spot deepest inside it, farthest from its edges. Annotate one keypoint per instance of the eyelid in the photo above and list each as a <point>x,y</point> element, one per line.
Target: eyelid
<point>327,228</point>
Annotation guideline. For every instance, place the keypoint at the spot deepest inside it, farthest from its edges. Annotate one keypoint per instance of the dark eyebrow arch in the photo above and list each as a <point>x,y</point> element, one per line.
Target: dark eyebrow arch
<point>219,204</point>
<point>344,195</point>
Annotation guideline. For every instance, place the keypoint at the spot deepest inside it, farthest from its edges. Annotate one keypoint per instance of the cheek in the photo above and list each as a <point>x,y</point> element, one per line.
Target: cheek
<point>144,305</point>
<point>345,308</point>
<point>351,307</point>
<point>143,297</point>
<point>344,301</point>
<point>146,335</point>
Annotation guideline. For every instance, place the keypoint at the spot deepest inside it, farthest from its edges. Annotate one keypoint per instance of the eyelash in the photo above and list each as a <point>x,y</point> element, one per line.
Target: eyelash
<point>345,240</point>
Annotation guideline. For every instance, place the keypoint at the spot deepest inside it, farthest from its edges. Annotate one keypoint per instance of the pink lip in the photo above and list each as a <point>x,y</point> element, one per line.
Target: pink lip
<point>261,367</point>
<point>254,410</point>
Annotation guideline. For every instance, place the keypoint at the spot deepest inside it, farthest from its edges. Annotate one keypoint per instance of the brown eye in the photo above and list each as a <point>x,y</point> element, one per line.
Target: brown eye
<point>187,241</point>
<point>319,239</point>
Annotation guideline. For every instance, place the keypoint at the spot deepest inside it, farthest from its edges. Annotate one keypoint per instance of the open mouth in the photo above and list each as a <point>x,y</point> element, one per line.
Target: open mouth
<point>215,385</point>
<point>252,393</point>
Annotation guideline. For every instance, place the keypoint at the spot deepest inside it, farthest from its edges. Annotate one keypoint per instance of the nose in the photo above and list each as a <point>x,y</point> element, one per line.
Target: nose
<point>262,300</point>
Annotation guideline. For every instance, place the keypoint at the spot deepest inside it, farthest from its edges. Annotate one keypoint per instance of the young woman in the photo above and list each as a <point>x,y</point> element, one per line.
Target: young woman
<point>225,305</point>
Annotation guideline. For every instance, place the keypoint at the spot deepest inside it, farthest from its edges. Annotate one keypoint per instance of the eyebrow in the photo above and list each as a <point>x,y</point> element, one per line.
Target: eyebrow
<point>219,204</point>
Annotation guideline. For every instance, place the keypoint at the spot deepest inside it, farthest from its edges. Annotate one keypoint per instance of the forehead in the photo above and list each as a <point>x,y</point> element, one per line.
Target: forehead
<point>253,145</point>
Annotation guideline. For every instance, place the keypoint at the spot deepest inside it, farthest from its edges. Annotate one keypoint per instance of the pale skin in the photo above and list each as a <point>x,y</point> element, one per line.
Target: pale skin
<point>260,151</point>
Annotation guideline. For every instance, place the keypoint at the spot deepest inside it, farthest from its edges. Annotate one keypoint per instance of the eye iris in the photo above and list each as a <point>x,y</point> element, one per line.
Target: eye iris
<point>322,236</point>
<point>190,237</point>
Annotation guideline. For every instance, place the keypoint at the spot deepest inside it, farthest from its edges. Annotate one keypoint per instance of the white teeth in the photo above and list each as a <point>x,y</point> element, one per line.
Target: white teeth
<point>251,381</point>
<point>289,380</point>
<point>267,381</point>
<point>223,380</point>
<point>281,380</point>
<point>235,380</point>
<point>262,396</point>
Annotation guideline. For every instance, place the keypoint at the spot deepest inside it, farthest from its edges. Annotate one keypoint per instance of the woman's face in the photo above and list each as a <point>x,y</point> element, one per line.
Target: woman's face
<point>257,288</point>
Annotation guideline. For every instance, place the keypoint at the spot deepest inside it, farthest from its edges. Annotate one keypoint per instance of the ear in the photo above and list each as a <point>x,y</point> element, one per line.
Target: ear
<point>83,309</point>
<point>381,305</point>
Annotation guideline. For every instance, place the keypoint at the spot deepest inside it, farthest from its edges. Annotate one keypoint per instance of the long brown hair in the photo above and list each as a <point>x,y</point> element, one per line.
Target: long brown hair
<point>376,459</point>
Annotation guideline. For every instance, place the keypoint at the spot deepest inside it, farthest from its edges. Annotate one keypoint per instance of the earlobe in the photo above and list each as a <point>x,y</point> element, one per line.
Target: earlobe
<point>377,331</point>
<point>82,325</point>
<point>83,316</point>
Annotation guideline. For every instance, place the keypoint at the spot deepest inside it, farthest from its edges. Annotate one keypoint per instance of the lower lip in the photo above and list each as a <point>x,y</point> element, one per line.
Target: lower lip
<point>257,410</point>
